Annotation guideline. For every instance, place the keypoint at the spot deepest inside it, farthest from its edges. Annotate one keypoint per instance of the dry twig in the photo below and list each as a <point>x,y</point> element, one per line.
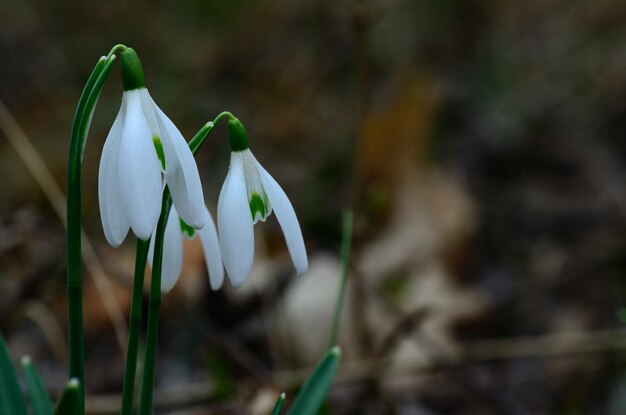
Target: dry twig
<point>42,175</point>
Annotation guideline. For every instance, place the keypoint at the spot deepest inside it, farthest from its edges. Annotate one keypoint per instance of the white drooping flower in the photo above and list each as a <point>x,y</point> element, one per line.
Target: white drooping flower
<point>250,194</point>
<point>172,265</point>
<point>144,149</point>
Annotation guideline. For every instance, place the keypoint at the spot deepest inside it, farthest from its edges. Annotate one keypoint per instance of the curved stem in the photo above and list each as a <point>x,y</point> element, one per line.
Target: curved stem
<point>224,114</point>
<point>116,49</point>
<point>203,133</point>
<point>134,327</point>
<point>80,128</point>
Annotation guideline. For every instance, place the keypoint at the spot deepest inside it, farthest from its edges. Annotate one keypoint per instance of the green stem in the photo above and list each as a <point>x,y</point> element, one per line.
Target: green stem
<point>134,327</point>
<point>154,305</point>
<point>117,49</point>
<point>154,309</point>
<point>80,128</point>
<point>224,114</point>
<point>346,237</point>
<point>203,133</point>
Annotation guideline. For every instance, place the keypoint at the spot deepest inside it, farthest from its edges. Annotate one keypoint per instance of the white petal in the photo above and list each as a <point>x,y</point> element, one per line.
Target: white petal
<point>114,220</point>
<point>212,254</point>
<point>287,219</point>
<point>172,252</point>
<point>139,170</point>
<point>181,173</point>
<point>234,222</point>
<point>147,105</point>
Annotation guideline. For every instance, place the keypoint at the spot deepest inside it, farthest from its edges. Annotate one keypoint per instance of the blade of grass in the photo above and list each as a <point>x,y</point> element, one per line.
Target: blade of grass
<point>346,238</point>
<point>280,402</point>
<point>69,402</point>
<point>42,175</point>
<point>39,398</point>
<point>313,393</point>
<point>11,400</point>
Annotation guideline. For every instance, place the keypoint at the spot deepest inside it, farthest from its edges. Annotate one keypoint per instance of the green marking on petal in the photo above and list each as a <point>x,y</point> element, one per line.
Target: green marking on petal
<point>158,146</point>
<point>258,205</point>
<point>186,229</point>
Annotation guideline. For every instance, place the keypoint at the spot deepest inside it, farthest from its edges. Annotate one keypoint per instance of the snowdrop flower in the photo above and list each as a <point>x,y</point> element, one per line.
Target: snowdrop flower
<point>143,148</point>
<point>172,266</point>
<point>250,194</point>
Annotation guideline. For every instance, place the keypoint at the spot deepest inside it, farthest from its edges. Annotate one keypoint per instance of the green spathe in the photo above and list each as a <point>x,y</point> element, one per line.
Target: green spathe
<point>237,135</point>
<point>132,71</point>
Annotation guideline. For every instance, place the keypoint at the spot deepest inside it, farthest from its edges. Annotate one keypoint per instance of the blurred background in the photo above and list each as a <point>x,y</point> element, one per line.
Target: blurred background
<point>480,145</point>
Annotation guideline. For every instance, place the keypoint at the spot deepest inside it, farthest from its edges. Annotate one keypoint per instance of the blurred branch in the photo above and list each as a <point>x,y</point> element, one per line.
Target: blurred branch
<point>49,326</point>
<point>227,344</point>
<point>405,324</point>
<point>361,21</point>
<point>42,175</point>
<point>172,396</point>
<point>549,345</point>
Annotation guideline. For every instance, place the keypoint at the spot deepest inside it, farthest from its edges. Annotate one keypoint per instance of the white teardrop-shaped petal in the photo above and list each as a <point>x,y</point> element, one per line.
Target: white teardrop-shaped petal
<point>172,252</point>
<point>114,221</point>
<point>181,172</point>
<point>212,254</point>
<point>139,171</point>
<point>147,106</point>
<point>234,222</point>
<point>287,219</point>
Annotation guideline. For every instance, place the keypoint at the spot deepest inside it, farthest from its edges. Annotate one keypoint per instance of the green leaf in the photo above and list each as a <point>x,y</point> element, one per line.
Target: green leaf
<point>69,401</point>
<point>280,402</point>
<point>313,393</point>
<point>11,400</point>
<point>346,239</point>
<point>39,398</point>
